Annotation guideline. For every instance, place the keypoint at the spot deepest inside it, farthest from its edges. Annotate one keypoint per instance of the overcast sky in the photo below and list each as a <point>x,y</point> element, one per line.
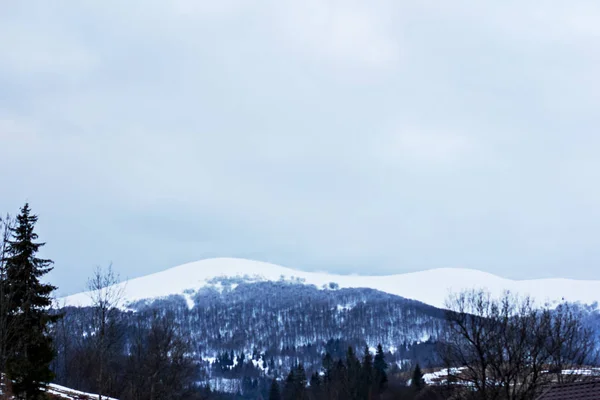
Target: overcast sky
<point>355,137</point>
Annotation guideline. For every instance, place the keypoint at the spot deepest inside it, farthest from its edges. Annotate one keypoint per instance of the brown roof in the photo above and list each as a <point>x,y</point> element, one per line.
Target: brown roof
<point>587,390</point>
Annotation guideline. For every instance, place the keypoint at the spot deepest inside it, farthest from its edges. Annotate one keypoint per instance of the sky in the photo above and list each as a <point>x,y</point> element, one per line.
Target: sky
<point>369,137</point>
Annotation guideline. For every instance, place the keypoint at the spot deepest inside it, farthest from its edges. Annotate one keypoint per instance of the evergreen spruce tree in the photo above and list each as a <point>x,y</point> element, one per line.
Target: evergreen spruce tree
<point>31,352</point>
<point>380,367</point>
<point>274,393</point>
<point>328,375</point>
<point>417,380</point>
<point>288,386</point>
<point>341,386</point>
<point>354,371</point>
<point>366,374</point>
<point>328,365</point>
<point>295,384</point>
<point>300,382</point>
<point>316,386</point>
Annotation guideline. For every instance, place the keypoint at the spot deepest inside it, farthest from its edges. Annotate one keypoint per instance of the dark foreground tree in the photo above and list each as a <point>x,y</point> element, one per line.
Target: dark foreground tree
<point>6,323</point>
<point>295,384</point>
<point>30,349</point>
<point>351,379</point>
<point>508,348</point>
<point>366,379</point>
<point>417,381</point>
<point>159,366</point>
<point>353,368</point>
<point>380,367</point>
<point>274,392</point>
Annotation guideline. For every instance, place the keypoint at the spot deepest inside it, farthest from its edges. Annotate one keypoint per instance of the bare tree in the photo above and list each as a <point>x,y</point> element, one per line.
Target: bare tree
<point>159,365</point>
<point>509,349</point>
<point>6,325</point>
<point>106,293</point>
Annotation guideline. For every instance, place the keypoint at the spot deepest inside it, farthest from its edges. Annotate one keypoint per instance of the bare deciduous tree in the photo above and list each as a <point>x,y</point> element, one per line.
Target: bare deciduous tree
<point>509,349</point>
<point>159,365</point>
<point>6,328</point>
<point>106,293</point>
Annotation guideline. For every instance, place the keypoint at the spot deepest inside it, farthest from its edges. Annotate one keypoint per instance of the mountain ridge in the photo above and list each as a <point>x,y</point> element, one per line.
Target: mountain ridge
<point>431,287</point>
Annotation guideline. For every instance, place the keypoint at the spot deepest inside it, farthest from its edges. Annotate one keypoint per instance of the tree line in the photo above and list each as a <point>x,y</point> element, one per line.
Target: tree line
<point>353,378</point>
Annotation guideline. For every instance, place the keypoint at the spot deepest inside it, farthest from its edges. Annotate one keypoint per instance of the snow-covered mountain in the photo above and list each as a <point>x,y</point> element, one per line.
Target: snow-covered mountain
<point>431,287</point>
<point>231,310</point>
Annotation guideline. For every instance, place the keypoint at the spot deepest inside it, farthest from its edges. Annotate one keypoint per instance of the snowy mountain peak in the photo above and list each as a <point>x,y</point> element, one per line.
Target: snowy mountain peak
<point>430,286</point>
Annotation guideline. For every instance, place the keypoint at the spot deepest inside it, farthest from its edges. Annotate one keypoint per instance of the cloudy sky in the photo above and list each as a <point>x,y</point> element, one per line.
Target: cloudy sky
<point>355,137</point>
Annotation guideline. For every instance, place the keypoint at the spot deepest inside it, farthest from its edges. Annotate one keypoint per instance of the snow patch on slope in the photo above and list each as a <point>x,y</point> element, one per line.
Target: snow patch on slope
<point>430,287</point>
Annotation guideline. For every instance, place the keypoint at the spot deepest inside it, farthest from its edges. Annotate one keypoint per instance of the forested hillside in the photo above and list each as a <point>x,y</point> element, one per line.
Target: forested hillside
<point>237,329</point>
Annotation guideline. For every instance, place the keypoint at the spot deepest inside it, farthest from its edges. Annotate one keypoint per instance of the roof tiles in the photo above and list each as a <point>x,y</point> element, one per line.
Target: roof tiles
<point>588,390</point>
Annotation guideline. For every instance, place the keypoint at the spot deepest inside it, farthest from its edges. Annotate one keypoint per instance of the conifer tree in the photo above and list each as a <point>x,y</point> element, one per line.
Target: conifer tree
<point>295,384</point>
<point>274,393</point>
<point>354,372</point>
<point>417,380</point>
<point>316,385</point>
<point>31,352</point>
<point>328,375</point>
<point>328,365</point>
<point>300,382</point>
<point>341,387</point>
<point>380,367</point>
<point>366,374</point>
<point>288,386</point>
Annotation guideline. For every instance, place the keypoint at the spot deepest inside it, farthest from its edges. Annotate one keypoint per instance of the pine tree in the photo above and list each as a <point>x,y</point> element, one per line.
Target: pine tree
<point>417,380</point>
<point>328,375</point>
<point>366,374</point>
<point>341,387</point>
<point>316,386</point>
<point>380,366</point>
<point>300,382</point>
<point>295,384</point>
<point>328,365</point>
<point>288,386</point>
<point>28,363</point>
<point>354,372</point>
<point>274,393</point>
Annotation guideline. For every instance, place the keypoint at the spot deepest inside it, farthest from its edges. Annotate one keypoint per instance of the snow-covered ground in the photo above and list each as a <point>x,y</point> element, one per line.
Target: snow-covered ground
<point>440,377</point>
<point>60,392</point>
<point>70,394</point>
<point>431,286</point>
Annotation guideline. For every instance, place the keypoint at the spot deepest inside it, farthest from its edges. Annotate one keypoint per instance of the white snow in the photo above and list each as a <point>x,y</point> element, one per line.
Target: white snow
<point>226,385</point>
<point>345,307</point>
<point>431,286</point>
<point>61,392</point>
<point>440,376</point>
<point>66,393</point>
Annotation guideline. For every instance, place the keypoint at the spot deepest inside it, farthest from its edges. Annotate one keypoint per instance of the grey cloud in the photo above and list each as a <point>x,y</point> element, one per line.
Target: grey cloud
<point>378,138</point>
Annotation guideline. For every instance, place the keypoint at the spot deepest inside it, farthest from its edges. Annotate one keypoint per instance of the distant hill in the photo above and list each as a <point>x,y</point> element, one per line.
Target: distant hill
<point>431,286</point>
